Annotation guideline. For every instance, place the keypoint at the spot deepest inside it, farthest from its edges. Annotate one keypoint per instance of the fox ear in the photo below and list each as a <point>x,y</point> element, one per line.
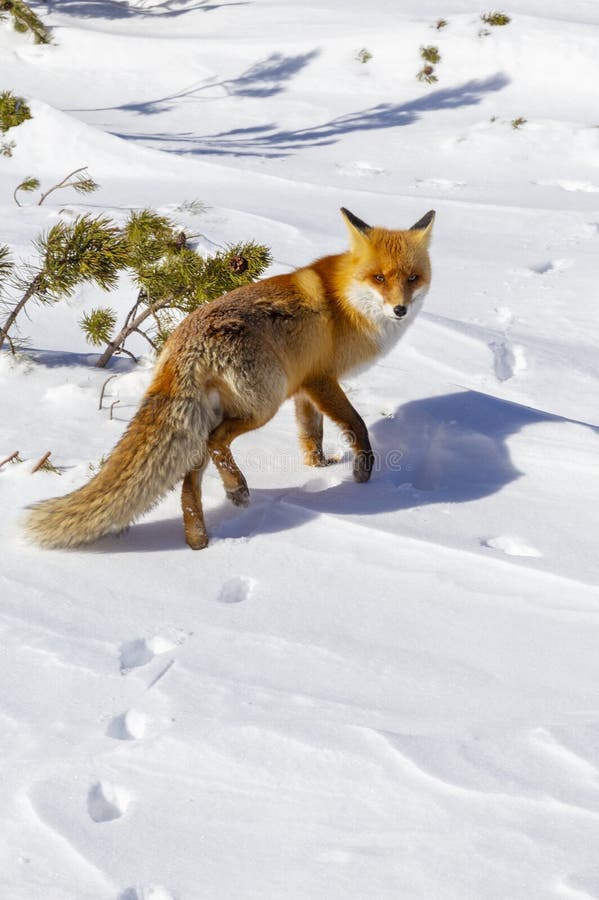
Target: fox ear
<point>358,230</point>
<point>425,224</point>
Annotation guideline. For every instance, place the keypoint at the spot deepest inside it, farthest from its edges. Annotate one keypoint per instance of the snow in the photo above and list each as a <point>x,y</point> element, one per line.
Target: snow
<point>384,690</point>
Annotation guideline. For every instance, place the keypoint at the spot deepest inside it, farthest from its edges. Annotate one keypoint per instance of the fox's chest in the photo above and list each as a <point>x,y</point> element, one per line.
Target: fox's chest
<point>383,326</point>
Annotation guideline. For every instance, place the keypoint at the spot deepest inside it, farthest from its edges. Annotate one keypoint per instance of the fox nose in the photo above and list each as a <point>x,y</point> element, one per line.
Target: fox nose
<point>400,311</point>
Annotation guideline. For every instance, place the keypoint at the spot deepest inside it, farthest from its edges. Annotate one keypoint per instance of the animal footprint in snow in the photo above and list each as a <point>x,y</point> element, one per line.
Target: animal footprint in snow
<point>508,359</point>
<point>143,650</point>
<point>150,892</point>
<point>129,726</point>
<point>236,590</point>
<point>552,265</point>
<point>106,802</point>
<point>511,546</point>
<point>586,187</point>
<point>440,184</point>
<point>360,168</point>
<point>505,316</point>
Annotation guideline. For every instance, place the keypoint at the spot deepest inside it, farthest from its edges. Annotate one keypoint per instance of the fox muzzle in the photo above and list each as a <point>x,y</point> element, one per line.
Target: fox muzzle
<point>400,311</point>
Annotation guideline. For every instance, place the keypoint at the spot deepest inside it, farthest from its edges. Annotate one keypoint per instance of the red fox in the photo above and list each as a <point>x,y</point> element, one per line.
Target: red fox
<point>228,367</point>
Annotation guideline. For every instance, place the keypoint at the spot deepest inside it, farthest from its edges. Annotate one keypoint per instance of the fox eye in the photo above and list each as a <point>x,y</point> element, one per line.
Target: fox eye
<point>379,278</point>
<point>412,278</point>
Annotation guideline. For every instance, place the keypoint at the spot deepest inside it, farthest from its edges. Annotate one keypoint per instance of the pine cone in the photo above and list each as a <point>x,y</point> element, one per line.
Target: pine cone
<point>239,264</point>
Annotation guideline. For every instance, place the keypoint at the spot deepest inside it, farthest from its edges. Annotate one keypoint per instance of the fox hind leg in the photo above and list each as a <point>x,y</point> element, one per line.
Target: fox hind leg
<point>191,503</point>
<point>220,452</point>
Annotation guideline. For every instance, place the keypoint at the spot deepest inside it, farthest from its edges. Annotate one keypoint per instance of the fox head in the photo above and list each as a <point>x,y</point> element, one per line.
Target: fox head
<point>387,270</point>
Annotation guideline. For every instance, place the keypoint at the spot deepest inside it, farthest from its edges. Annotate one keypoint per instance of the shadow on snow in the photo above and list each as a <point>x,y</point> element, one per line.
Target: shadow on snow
<point>438,450</point>
<point>115,9</point>
<point>54,359</point>
<point>265,79</point>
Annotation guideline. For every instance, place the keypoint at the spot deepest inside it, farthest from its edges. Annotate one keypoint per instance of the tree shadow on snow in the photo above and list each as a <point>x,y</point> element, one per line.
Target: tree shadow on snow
<point>264,78</point>
<point>438,450</point>
<point>54,359</point>
<point>270,141</point>
<point>116,9</point>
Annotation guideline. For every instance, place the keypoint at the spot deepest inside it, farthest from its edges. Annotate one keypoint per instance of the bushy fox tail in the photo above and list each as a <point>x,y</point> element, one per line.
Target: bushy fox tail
<point>165,439</point>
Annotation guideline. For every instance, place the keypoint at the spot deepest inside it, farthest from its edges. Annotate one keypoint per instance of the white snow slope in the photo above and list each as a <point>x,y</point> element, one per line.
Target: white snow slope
<point>357,691</point>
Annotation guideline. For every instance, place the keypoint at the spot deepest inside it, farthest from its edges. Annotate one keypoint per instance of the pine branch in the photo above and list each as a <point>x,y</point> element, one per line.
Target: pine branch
<point>117,344</point>
<point>28,184</point>
<point>98,325</point>
<point>32,289</point>
<point>24,19</point>
<point>6,271</point>
<point>149,237</point>
<point>82,184</point>
<point>13,110</point>
<point>172,278</point>
<point>87,250</point>
<point>6,264</point>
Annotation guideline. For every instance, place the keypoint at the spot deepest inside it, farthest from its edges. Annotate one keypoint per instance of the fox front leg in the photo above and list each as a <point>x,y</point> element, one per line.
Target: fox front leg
<point>329,399</point>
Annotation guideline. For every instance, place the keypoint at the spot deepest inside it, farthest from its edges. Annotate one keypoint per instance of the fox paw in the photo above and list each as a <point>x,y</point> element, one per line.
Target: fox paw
<point>196,538</point>
<point>319,460</point>
<point>240,496</point>
<point>363,464</point>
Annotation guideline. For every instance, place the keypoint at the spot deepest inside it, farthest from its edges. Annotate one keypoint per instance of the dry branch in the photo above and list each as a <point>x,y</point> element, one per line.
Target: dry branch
<point>14,457</point>
<point>41,463</point>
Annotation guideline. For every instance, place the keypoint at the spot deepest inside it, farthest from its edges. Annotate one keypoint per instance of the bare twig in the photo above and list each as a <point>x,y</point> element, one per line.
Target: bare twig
<point>4,329</point>
<point>61,184</point>
<point>14,457</point>
<point>110,377</point>
<point>112,406</point>
<point>6,337</point>
<point>133,311</point>
<point>127,352</point>
<point>41,462</point>
<point>131,324</point>
<point>147,337</point>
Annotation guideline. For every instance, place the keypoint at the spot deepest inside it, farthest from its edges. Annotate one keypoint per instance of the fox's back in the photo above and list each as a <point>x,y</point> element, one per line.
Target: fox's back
<point>276,322</point>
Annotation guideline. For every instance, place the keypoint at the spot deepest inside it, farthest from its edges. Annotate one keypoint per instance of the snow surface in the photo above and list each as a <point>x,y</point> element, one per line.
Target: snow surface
<point>357,691</point>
